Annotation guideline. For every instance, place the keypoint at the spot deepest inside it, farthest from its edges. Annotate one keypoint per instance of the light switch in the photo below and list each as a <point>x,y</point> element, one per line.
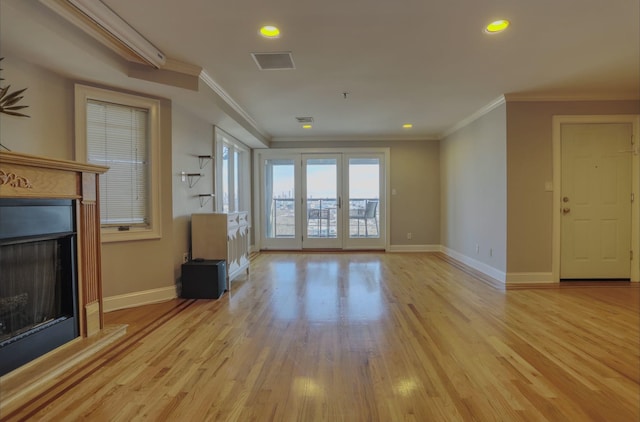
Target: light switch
<point>393,191</point>
<point>548,186</point>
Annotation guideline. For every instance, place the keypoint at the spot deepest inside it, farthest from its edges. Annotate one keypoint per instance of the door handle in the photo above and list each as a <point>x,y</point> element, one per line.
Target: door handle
<point>566,210</point>
<point>339,202</point>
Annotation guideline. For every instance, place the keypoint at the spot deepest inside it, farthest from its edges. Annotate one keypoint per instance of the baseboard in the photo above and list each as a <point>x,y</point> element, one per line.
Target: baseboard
<point>145,297</point>
<point>529,278</point>
<point>476,265</point>
<point>414,248</point>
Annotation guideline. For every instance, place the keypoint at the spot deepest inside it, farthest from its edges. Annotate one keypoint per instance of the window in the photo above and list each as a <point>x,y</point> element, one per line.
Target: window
<point>121,131</point>
<point>232,174</point>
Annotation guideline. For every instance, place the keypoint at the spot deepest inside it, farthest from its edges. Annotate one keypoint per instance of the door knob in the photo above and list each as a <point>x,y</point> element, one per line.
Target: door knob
<point>565,199</point>
<point>566,210</point>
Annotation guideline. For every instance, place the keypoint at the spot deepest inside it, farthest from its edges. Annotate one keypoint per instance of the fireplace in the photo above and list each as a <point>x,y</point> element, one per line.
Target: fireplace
<point>38,280</point>
<point>50,276</point>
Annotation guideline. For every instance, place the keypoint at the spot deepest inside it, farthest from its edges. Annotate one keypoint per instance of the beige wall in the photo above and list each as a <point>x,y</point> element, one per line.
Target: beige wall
<point>127,266</point>
<point>49,130</point>
<point>453,192</point>
<point>474,196</point>
<point>529,167</point>
<point>191,137</point>
<point>147,264</point>
<point>415,175</point>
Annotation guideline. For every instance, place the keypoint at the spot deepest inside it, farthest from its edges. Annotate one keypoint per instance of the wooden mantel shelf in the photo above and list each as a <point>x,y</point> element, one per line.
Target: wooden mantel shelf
<point>7,157</point>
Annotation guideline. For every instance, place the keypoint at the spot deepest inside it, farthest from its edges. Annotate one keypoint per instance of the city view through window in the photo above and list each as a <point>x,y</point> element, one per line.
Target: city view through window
<point>322,198</point>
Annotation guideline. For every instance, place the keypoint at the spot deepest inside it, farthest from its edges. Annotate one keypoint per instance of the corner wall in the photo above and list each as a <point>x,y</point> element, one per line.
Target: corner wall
<point>191,137</point>
<point>473,162</point>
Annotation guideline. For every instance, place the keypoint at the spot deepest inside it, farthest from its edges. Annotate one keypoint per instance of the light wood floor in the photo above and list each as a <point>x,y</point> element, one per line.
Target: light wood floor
<point>365,337</point>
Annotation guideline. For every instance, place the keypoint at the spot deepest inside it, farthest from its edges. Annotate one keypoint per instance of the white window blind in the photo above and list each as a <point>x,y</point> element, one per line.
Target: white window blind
<point>117,137</point>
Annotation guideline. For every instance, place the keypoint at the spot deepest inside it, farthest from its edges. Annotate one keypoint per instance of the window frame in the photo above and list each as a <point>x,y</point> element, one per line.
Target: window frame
<point>223,139</point>
<point>84,93</point>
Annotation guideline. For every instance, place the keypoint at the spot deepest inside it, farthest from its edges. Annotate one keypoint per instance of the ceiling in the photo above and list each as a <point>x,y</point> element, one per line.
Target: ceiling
<point>428,63</point>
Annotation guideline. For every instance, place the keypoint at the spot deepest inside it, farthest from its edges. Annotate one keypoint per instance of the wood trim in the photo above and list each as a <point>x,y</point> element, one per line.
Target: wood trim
<point>93,318</point>
<point>49,163</point>
<point>145,297</point>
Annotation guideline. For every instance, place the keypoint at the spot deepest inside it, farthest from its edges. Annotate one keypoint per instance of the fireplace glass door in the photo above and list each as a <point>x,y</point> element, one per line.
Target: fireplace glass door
<point>33,292</point>
<point>38,293</point>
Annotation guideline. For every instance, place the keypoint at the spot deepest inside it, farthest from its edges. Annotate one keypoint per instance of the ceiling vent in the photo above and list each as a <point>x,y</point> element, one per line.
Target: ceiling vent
<point>273,61</point>
<point>304,119</point>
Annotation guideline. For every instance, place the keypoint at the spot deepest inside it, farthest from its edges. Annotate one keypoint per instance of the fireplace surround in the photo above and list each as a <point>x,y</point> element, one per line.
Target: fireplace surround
<point>49,211</point>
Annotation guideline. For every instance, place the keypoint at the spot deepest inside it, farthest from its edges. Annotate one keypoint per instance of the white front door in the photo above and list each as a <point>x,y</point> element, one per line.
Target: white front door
<point>595,201</point>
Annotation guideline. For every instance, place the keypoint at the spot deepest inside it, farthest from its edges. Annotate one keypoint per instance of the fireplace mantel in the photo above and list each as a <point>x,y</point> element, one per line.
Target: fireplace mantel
<point>29,176</point>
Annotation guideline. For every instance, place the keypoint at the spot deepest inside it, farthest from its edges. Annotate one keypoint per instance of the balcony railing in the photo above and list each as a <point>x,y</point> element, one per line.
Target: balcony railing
<point>321,221</point>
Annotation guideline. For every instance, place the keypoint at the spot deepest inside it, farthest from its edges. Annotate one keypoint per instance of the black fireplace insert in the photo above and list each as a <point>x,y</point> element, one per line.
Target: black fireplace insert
<point>38,287</point>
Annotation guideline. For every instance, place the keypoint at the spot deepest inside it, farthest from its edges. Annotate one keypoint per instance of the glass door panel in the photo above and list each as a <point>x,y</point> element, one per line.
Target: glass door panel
<point>225,178</point>
<point>322,222</point>
<point>280,206</point>
<point>364,187</point>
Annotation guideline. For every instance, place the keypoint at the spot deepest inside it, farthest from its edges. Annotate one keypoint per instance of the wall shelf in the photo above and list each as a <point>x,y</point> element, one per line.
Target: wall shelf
<point>203,160</point>
<point>191,178</point>
<point>205,198</point>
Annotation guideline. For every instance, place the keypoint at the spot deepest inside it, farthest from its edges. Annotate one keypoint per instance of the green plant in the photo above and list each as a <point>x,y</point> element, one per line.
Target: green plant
<point>9,100</point>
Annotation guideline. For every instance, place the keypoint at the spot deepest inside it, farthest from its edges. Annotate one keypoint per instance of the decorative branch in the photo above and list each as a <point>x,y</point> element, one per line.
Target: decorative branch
<point>9,100</point>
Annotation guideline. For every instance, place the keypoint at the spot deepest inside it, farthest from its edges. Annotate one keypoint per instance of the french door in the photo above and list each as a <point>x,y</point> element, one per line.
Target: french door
<point>322,200</point>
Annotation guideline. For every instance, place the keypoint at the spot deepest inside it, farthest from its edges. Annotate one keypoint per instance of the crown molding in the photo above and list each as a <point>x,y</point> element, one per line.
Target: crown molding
<point>574,97</point>
<point>353,139</point>
<point>215,87</point>
<point>475,116</point>
<point>182,67</point>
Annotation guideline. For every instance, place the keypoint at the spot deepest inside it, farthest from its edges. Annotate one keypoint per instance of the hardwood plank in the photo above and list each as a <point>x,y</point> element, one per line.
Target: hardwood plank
<point>364,337</point>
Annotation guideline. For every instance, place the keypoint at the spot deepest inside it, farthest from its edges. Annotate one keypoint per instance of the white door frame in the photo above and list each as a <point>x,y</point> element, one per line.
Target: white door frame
<point>261,154</point>
<point>294,243</point>
<point>558,121</point>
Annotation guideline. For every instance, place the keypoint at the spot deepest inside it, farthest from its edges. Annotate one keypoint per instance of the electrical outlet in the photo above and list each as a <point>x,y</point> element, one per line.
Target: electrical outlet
<point>185,257</point>
<point>491,252</point>
<point>477,248</point>
<point>409,235</point>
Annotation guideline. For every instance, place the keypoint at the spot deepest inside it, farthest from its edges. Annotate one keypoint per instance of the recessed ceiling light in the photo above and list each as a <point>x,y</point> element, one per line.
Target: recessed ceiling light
<point>270,31</point>
<point>306,126</point>
<point>497,26</point>
<point>407,126</point>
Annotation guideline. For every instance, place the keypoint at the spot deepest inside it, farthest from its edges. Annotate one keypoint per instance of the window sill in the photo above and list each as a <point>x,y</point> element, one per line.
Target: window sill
<point>112,236</point>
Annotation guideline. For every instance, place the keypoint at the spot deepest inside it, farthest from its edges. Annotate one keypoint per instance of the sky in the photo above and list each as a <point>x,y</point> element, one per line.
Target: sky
<point>321,181</point>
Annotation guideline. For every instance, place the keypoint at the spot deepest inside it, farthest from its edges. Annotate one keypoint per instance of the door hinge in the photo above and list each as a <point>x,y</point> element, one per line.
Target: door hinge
<point>631,255</point>
<point>633,196</point>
